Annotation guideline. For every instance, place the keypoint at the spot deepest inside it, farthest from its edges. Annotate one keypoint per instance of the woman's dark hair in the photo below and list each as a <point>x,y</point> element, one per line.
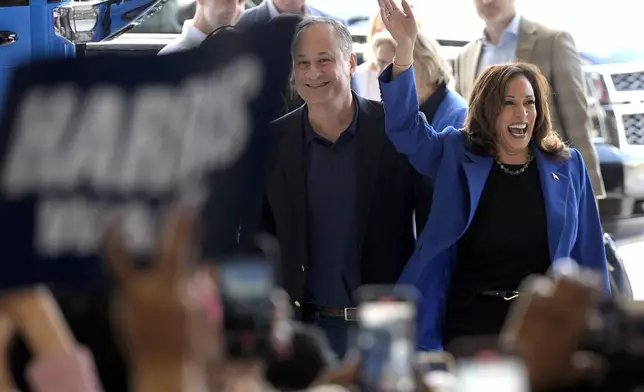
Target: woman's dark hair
<point>486,102</point>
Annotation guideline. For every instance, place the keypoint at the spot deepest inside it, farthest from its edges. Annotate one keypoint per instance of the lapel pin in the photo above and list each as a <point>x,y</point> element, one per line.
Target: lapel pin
<point>556,177</point>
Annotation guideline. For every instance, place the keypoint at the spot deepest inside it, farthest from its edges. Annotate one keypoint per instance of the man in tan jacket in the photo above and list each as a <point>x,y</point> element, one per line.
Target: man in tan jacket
<point>509,37</point>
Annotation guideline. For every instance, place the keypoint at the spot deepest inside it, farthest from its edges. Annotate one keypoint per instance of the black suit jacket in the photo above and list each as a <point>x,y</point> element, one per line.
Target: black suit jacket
<point>389,191</point>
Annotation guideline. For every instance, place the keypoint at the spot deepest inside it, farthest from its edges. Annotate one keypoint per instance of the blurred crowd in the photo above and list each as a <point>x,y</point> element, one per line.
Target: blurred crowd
<point>421,227</point>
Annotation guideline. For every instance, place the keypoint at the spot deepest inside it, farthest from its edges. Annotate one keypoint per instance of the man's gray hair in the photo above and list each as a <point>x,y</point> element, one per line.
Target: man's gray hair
<point>344,36</point>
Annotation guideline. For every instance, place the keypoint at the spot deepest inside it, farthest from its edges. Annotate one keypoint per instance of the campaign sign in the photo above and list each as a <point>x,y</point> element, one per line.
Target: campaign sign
<point>85,141</point>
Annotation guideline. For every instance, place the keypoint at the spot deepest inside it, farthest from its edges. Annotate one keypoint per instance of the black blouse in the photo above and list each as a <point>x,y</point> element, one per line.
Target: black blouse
<point>506,241</point>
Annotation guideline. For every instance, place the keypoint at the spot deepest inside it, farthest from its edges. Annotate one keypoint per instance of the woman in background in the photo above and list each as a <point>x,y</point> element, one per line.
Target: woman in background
<point>441,106</point>
<point>366,76</point>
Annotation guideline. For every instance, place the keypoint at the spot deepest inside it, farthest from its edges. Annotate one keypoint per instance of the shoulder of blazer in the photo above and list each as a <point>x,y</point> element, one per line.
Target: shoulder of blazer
<point>542,31</point>
<point>253,15</point>
<point>455,100</point>
<point>370,108</point>
<point>284,136</point>
<point>452,105</point>
<point>290,122</point>
<point>470,46</point>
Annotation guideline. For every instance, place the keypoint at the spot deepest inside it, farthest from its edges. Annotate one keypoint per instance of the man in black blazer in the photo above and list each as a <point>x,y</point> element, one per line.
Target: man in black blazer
<point>339,198</point>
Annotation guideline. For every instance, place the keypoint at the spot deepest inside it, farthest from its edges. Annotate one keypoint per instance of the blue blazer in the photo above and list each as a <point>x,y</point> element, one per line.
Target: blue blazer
<point>451,112</point>
<point>574,228</point>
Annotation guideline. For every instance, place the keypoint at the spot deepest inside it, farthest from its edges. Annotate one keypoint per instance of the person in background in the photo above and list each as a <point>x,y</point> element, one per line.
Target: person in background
<point>339,198</point>
<point>379,55</point>
<point>441,106</point>
<point>382,54</point>
<point>210,15</point>
<point>269,9</point>
<point>510,37</point>
<point>366,79</point>
<point>510,200</point>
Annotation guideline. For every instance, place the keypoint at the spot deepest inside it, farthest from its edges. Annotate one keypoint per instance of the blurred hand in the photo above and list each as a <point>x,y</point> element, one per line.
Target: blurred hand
<point>150,311</point>
<point>401,24</point>
<point>546,325</point>
<point>6,333</point>
<point>34,313</point>
<point>347,376</point>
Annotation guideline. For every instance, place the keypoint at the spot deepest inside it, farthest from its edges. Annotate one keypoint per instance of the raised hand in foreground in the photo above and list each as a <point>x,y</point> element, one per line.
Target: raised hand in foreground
<point>60,364</point>
<point>150,311</point>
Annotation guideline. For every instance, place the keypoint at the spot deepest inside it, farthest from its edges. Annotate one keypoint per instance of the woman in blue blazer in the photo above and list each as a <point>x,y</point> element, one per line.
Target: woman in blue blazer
<point>441,106</point>
<point>510,199</point>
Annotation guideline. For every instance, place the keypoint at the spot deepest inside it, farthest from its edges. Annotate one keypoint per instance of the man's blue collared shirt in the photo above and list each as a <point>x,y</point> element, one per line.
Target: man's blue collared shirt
<point>505,51</point>
<point>334,263</point>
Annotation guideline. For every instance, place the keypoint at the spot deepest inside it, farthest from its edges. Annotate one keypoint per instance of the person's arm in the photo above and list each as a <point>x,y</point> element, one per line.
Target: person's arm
<point>423,189</point>
<point>572,106</point>
<point>151,312</point>
<point>59,365</point>
<point>405,125</point>
<point>72,371</point>
<point>36,314</point>
<point>589,250</point>
<point>159,377</point>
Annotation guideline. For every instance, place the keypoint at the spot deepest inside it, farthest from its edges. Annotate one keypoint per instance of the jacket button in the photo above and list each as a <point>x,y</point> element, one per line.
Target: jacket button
<point>297,303</point>
<point>303,268</point>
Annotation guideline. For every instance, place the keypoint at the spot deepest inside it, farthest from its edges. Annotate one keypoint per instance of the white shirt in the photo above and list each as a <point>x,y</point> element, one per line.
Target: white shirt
<point>190,37</point>
<point>367,81</point>
<point>505,51</point>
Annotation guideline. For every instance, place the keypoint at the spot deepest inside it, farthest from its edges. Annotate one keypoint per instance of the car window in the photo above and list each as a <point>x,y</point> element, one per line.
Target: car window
<point>169,19</point>
<point>166,20</point>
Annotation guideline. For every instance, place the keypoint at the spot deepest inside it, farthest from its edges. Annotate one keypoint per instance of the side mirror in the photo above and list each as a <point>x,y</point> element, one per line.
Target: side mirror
<point>94,21</point>
<point>7,38</point>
